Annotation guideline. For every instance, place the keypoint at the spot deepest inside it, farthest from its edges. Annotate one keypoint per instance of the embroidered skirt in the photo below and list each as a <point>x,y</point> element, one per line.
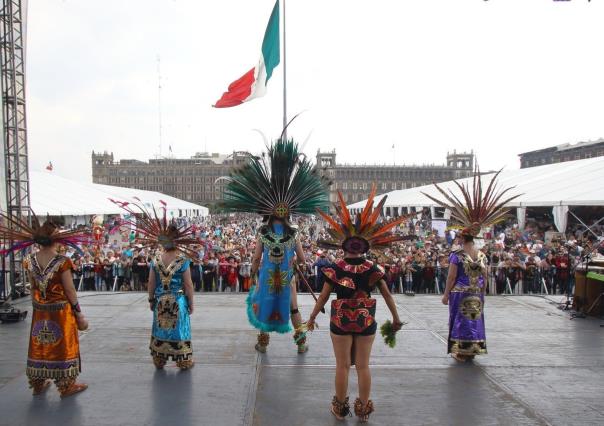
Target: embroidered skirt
<point>54,348</point>
<point>268,302</point>
<point>466,323</point>
<point>171,334</point>
<point>353,316</point>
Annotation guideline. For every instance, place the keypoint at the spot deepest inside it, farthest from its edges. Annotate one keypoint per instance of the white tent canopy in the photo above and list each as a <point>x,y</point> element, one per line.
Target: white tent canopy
<point>572,183</point>
<point>58,196</point>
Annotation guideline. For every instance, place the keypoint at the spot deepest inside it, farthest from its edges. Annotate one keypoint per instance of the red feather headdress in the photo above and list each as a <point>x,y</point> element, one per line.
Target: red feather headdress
<point>365,232</point>
<point>21,235</point>
<point>155,230</point>
<point>476,210</point>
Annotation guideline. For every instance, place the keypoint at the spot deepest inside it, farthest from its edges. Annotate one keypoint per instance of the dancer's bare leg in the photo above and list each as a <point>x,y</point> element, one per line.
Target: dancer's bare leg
<point>363,345</point>
<point>341,348</point>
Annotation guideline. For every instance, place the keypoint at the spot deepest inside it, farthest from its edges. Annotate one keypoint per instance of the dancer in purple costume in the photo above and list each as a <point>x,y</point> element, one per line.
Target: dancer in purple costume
<point>465,296</point>
<point>467,271</point>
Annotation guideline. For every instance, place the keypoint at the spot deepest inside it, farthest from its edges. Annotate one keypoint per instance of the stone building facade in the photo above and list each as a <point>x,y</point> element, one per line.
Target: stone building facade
<point>562,153</point>
<point>354,181</point>
<point>200,179</point>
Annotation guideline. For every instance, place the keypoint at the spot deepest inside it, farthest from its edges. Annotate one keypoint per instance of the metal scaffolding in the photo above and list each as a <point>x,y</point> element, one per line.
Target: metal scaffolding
<point>14,131</point>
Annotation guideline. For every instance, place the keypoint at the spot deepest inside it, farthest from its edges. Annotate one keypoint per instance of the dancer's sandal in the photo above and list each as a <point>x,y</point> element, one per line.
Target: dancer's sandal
<point>263,340</point>
<point>185,365</point>
<point>73,389</point>
<point>39,390</point>
<point>459,358</point>
<point>300,340</point>
<point>159,363</point>
<point>363,411</point>
<point>340,409</point>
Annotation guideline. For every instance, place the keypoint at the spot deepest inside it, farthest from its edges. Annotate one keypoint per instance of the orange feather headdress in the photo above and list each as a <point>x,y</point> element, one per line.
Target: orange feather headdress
<point>365,232</point>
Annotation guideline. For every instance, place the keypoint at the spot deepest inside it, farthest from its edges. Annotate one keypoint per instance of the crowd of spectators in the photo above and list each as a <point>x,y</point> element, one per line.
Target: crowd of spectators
<point>535,260</point>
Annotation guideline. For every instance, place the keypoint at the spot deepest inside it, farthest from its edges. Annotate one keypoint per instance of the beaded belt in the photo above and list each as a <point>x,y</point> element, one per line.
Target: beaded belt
<point>49,307</point>
<point>466,289</point>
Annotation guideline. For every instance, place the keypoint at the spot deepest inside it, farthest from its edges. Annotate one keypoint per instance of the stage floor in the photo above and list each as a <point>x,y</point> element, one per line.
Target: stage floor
<point>542,368</point>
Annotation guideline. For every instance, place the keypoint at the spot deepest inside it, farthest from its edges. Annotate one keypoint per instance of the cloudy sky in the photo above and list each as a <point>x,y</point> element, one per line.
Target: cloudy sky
<point>499,77</point>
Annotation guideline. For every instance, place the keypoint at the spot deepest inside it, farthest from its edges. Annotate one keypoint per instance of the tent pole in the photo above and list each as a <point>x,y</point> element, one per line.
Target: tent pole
<point>587,227</point>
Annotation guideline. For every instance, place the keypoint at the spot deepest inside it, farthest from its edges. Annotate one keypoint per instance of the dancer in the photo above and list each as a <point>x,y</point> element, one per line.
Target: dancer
<point>170,286</point>
<point>54,349</point>
<point>276,186</point>
<point>353,278</point>
<point>466,280</point>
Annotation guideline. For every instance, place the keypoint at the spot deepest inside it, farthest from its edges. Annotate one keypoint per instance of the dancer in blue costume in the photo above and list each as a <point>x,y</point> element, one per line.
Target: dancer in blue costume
<point>277,185</point>
<point>274,297</point>
<point>170,286</point>
<point>171,300</point>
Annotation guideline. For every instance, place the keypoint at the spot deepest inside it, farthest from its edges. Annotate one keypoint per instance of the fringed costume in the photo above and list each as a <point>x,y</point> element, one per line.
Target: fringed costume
<point>54,350</point>
<point>268,305</point>
<point>353,278</point>
<point>466,317</point>
<point>478,210</point>
<point>171,329</point>
<point>276,186</point>
<point>171,332</point>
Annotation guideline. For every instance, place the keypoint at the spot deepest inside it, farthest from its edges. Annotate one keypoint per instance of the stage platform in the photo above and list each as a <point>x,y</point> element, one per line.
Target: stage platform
<point>542,369</point>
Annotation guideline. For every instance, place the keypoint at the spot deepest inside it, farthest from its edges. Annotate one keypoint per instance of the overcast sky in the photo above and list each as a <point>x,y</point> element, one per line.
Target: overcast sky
<point>499,77</point>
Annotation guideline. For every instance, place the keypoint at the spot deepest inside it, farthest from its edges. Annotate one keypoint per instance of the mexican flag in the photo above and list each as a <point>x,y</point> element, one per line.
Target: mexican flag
<point>253,83</point>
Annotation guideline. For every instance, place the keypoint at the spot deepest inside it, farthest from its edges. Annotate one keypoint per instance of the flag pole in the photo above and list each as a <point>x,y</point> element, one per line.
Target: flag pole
<point>159,102</point>
<point>284,76</point>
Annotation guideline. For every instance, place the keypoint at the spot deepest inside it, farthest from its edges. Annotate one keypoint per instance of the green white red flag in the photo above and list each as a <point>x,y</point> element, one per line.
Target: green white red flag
<point>253,83</point>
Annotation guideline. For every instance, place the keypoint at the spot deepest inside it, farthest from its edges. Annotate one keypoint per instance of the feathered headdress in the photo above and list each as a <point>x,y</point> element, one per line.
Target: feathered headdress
<point>365,232</point>
<point>158,231</point>
<point>280,183</point>
<point>22,235</point>
<point>476,210</point>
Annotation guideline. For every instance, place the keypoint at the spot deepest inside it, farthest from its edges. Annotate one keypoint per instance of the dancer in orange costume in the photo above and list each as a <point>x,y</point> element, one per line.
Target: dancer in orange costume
<point>54,350</point>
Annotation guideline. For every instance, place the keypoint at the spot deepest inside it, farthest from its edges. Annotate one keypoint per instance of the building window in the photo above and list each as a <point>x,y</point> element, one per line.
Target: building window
<point>384,185</point>
<point>393,186</point>
<point>364,186</point>
<point>345,185</point>
<point>355,185</point>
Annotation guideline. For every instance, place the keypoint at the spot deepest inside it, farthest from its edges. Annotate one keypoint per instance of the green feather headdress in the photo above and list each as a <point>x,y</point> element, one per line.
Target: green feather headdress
<point>280,183</point>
